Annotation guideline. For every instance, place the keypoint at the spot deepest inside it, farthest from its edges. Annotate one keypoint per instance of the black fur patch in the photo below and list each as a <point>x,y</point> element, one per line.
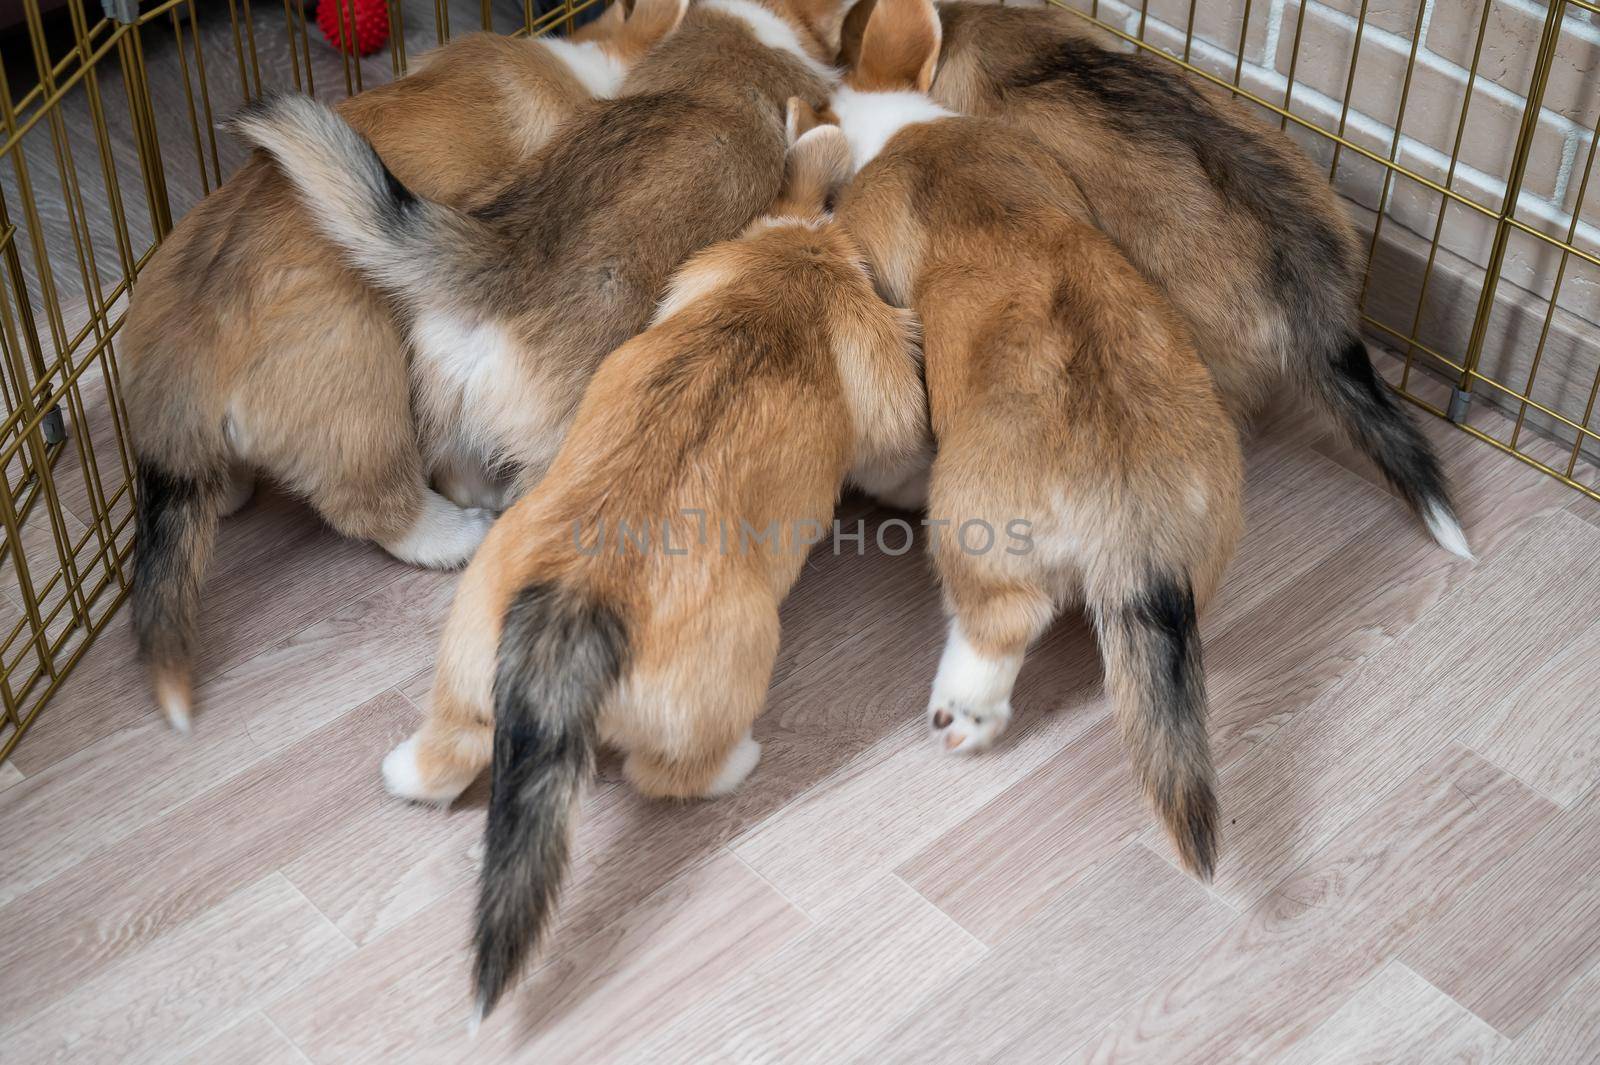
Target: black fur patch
<point>402,196</point>
<point>558,660</point>
<point>170,507</point>
<point>1165,614</point>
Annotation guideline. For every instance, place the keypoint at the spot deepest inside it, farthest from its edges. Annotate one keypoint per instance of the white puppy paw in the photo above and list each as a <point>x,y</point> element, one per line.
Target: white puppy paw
<point>403,777</point>
<point>962,727</point>
<point>741,761</point>
<point>444,536</point>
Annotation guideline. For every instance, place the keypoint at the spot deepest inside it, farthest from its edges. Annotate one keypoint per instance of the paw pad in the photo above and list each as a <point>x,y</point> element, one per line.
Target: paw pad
<point>963,729</point>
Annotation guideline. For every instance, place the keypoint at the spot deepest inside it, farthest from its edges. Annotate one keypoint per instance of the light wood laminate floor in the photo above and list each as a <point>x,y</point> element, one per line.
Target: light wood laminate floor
<point>1409,747</point>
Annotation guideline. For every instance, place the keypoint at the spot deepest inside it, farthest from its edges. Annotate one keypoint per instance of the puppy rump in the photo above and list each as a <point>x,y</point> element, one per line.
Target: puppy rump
<point>176,527</point>
<point>397,238</point>
<point>559,658</point>
<point>1153,670</point>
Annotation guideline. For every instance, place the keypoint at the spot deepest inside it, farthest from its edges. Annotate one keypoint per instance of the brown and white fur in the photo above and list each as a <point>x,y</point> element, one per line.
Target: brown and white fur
<point>1064,393</point>
<point>511,306</point>
<point>772,369</point>
<point>253,347</point>
<point>1220,210</point>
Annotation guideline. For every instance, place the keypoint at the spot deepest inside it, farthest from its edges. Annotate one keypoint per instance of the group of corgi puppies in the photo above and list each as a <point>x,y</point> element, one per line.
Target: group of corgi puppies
<point>701,266</point>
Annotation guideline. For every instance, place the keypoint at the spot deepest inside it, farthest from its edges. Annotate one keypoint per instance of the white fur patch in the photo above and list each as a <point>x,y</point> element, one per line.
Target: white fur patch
<point>771,30</point>
<point>870,119</point>
<point>597,70</point>
<point>741,761</point>
<point>462,353</point>
<point>444,535</point>
<point>476,380</point>
<point>1447,531</point>
<point>974,692</point>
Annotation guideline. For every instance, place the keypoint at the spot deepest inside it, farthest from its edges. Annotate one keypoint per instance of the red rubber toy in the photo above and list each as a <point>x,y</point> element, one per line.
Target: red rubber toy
<point>371,23</point>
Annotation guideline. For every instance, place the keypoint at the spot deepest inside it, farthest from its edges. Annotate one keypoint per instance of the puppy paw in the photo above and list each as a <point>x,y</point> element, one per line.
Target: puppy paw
<point>444,536</point>
<point>963,727</point>
<point>741,762</point>
<point>402,776</point>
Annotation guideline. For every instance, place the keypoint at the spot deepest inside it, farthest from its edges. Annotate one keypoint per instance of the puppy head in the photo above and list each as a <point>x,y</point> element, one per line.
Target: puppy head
<point>898,48</point>
<point>817,164</point>
<point>629,28</point>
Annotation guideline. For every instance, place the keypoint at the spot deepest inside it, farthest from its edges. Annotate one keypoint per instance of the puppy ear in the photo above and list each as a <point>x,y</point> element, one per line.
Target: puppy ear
<point>800,119</point>
<point>651,20</point>
<point>817,166</point>
<point>851,32</point>
<point>611,19</point>
<point>899,48</point>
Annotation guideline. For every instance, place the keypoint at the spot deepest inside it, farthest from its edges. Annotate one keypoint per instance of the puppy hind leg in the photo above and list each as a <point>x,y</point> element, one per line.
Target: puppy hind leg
<point>441,536</point>
<point>712,774</point>
<point>990,629</point>
<point>700,747</point>
<point>369,486</point>
<point>438,761</point>
<point>456,741</point>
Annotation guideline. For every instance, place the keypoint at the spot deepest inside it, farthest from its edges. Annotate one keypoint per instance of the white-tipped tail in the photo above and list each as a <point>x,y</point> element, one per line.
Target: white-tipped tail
<point>173,697</point>
<point>1446,530</point>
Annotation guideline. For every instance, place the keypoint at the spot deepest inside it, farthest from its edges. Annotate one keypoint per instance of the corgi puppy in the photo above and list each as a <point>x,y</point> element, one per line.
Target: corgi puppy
<point>1068,402</point>
<point>1222,212</point>
<point>251,346</point>
<point>511,306</point>
<point>632,597</point>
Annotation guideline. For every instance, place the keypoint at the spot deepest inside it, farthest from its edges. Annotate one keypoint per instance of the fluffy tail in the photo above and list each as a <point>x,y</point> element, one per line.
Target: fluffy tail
<point>176,526</point>
<point>1153,670</point>
<point>559,658</point>
<point>1375,422</point>
<point>399,240</point>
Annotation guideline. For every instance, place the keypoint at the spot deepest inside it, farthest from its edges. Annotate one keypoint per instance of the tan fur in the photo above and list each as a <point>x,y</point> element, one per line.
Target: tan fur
<point>1064,392</point>
<point>251,345</point>
<point>750,402</point>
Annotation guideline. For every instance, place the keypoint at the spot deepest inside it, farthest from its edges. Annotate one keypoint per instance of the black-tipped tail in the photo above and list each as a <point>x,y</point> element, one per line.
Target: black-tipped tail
<point>176,525</point>
<point>1368,414</point>
<point>560,656</point>
<point>1153,668</point>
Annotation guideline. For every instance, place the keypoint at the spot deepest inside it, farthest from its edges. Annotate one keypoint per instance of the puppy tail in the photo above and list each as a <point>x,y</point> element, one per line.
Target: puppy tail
<point>1157,683</point>
<point>398,239</point>
<point>1366,412</point>
<point>176,524</point>
<point>560,656</point>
